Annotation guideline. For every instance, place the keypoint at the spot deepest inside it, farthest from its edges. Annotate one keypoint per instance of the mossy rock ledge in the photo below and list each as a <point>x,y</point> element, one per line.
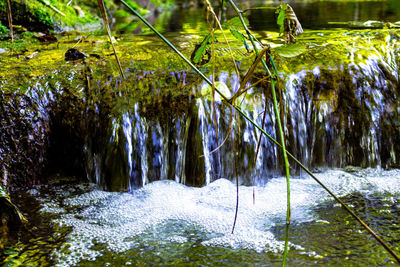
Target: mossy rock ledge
<point>49,15</point>
<point>82,103</point>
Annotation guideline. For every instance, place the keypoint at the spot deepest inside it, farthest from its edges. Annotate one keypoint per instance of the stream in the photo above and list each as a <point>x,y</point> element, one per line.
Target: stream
<point>143,172</point>
<point>167,223</point>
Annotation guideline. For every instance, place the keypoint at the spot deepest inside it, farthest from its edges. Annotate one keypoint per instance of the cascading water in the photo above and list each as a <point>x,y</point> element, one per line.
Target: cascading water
<point>334,118</point>
<point>157,144</point>
<point>127,128</point>
<point>205,141</point>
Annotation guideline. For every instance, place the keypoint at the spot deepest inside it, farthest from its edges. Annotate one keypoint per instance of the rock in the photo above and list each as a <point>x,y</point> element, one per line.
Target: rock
<point>351,169</point>
<point>10,217</point>
<point>73,54</point>
<point>45,37</point>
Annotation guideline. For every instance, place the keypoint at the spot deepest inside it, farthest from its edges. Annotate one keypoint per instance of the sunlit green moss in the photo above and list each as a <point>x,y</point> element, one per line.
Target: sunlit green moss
<point>50,14</point>
<point>35,60</point>
<point>3,29</point>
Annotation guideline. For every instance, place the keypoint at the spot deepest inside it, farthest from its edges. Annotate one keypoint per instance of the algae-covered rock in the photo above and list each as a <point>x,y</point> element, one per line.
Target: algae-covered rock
<point>10,216</point>
<point>332,95</point>
<point>44,15</point>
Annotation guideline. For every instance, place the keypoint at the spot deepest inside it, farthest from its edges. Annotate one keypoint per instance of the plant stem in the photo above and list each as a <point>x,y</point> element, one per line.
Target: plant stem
<point>278,120</point>
<point>10,24</point>
<point>105,19</point>
<point>366,227</point>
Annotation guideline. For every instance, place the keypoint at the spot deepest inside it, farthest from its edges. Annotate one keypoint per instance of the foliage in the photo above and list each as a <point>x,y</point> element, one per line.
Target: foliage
<point>281,11</point>
<point>290,50</point>
<point>198,55</point>
<point>235,25</point>
<point>3,29</point>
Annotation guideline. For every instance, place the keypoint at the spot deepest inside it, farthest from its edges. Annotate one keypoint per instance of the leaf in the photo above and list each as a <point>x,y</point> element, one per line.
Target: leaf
<point>238,35</point>
<point>200,51</point>
<point>290,50</point>
<point>235,24</point>
<point>281,17</point>
<point>3,192</point>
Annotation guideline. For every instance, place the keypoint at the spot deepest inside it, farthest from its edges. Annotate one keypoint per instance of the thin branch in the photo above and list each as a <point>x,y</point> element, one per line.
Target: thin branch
<point>47,3</point>
<point>237,193</point>
<point>105,19</point>
<point>10,24</point>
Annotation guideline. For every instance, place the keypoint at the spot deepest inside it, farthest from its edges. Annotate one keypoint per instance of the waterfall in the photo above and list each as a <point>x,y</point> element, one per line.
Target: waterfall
<point>334,117</point>
<point>127,128</point>
<point>182,138</point>
<point>204,128</point>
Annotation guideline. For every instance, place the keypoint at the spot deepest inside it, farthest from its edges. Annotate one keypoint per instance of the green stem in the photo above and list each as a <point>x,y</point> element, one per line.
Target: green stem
<point>105,19</point>
<point>10,24</point>
<point>379,239</point>
<point>278,120</point>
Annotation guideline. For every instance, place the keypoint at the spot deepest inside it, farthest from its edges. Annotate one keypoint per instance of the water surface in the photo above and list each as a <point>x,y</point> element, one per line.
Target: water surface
<point>168,223</point>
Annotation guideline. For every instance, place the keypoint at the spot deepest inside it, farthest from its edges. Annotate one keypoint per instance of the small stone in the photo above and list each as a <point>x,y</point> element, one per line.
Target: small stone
<point>351,169</point>
<point>45,37</point>
<point>73,54</point>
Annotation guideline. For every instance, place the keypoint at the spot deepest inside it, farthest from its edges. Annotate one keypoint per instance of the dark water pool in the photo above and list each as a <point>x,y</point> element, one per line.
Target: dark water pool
<point>312,14</point>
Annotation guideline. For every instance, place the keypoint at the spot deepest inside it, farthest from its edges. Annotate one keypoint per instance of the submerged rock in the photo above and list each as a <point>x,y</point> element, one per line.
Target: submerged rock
<point>351,169</point>
<point>10,217</point>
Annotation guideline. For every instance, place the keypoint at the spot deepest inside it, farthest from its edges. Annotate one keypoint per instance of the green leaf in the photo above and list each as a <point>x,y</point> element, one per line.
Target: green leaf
<point>3,192</point>
<point>281,17</point>
<point>238,35</point>
<point>235,24</point>
<point>201,50</point>
<point>290,50</point>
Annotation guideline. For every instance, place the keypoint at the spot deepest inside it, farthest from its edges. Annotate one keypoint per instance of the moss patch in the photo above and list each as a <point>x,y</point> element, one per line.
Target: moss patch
<point>49,15</point>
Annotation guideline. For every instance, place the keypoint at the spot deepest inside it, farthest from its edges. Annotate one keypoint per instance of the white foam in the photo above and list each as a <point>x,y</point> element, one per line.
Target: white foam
<point>120,220</point>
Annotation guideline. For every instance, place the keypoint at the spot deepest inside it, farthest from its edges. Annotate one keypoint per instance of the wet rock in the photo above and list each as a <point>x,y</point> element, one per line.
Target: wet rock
<point>22,140</point>
<point>19,28</point>
<point>95,56</point>
<point>10,217</point>
<point>351,169</point>
<point>45,38</point>
<point>74,54</point>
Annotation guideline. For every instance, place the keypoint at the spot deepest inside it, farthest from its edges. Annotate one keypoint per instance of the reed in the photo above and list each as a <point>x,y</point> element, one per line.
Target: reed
<point>105,20</point>
<point>187,61</point>
<point>10,24</point>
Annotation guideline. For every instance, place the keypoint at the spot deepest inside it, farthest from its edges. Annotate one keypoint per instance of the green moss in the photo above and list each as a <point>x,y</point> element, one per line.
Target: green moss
<point>330,50</point>
<point>3,29</point>
<point>50,15</point>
